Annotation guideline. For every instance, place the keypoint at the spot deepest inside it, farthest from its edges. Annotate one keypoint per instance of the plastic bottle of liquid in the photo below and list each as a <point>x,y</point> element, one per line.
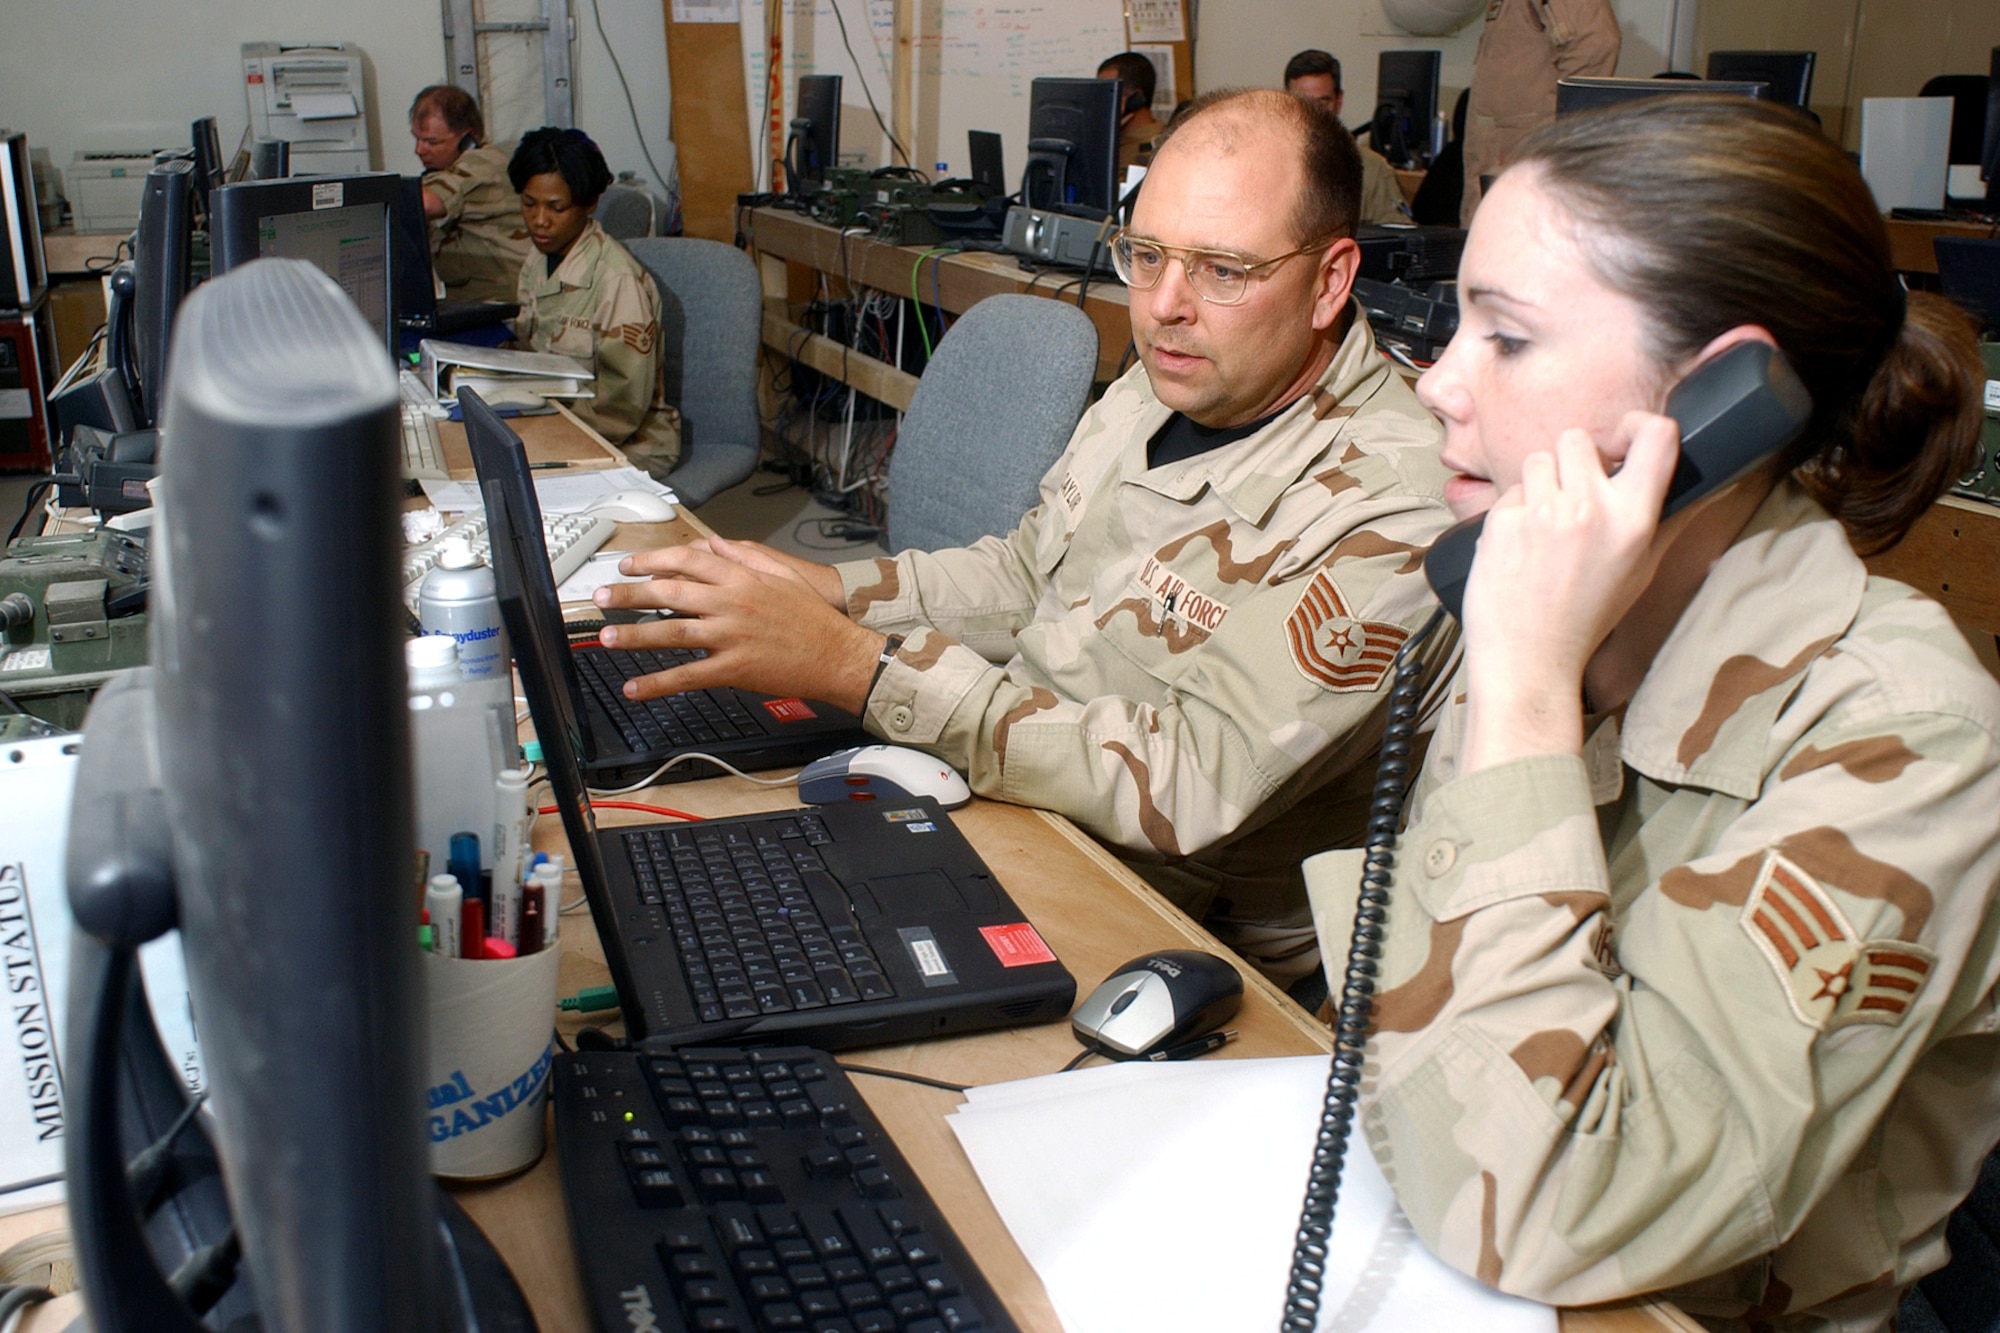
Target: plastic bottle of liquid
<point>457,599</point>
<point>457,745</point>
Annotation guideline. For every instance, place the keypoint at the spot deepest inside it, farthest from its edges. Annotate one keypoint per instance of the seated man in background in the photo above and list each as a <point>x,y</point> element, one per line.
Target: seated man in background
<point>477,239</point>
<point>1184,647</point>
<point>1138,129</point>
<point>583,295</point>
<point>1315,76</point>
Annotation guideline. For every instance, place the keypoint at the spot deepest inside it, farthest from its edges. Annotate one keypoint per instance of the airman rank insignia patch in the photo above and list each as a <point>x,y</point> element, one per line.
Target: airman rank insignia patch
<point>1334,650</point>
<point>1832,978</point>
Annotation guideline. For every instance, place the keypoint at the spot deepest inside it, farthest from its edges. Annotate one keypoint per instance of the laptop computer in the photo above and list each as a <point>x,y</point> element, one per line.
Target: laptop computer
<point>413,284</point>
<point>989,168</point>
<point>620,741</point>
<point>849,924</point>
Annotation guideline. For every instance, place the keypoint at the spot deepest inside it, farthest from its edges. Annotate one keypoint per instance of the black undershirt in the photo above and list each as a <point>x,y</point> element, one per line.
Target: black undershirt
<point>1181,438</point>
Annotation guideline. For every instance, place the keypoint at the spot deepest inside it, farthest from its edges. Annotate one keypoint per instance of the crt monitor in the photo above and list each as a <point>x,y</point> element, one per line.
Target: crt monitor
<point>23,273</point>
<point>1072,146</point>
<point>1789,73</point>
<point>1588,94</point>
<point>814,144</point>
<point>270,159</point>
<point>344,225</point>
<point>1406,105</point>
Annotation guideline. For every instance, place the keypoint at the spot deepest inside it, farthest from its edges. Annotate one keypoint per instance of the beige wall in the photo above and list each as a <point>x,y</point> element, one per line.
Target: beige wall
<point>1868,48</point>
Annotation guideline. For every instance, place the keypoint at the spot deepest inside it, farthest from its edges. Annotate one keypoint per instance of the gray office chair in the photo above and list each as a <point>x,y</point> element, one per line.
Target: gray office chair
<point>711,322</point>
<point>627,213</point>
<point>1964,1295</point>
<point>992,412</point>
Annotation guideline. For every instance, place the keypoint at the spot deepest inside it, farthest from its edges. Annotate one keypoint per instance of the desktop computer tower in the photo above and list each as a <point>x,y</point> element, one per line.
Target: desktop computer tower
<point>27,369</point>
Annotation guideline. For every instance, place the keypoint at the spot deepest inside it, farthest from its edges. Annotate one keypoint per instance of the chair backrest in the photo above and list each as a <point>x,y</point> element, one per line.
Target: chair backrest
<point>993,411</point>
<point>626,213</point>
<point>1968,112</point>
<point>711,323</point>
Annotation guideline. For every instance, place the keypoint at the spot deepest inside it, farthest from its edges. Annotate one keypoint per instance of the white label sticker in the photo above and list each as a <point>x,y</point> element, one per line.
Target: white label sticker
<point>16,404</point>
<point>329,194</point>
<point>925,827</point>
<point>26,659</point>
<point>1993,395</point>
<point>929,960</point>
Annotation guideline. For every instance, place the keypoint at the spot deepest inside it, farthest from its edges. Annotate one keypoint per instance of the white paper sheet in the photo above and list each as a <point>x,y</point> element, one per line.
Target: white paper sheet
<point>559,491</point>
<point>1166,1197</point>
<point>324,106</point>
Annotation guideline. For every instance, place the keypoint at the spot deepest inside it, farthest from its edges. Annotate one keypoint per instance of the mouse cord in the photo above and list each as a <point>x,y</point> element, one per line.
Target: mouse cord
<point>1084,1054</point>
<point>1357,996</point>
<point>689,756</point>
<point>897,1073</point>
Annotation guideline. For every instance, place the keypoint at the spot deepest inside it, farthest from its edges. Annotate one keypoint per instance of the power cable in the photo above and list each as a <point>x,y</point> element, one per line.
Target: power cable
<point>597,19</point>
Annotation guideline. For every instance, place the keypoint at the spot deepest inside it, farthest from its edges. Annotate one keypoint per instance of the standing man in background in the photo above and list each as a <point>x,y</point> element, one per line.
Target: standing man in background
<point>1137,129</point>
<point>1315,76</point>
<point>1528,45</point>
<point>477,237</point>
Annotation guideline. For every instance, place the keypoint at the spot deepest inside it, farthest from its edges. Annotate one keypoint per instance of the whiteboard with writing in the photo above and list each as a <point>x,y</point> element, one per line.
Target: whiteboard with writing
<point>974,62</point>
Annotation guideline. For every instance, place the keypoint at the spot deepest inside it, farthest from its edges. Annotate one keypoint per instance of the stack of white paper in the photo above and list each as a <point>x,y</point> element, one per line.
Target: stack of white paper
<point>571,490</point>
<point>1166,1196</point>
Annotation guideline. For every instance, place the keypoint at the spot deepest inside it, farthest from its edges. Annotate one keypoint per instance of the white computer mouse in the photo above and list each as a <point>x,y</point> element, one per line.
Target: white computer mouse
<point>881,772</point>
<point>634,507</point>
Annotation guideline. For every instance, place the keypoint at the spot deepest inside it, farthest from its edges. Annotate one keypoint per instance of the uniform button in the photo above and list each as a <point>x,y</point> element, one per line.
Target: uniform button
<point>1440,858</point>
<point>900,717</point>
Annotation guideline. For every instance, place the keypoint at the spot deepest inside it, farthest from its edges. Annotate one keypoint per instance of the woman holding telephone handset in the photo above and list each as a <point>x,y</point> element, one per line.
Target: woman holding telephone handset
<point>1688,982</point>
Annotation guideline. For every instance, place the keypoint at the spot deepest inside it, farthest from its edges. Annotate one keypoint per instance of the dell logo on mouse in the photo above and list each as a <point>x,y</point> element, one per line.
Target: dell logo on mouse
<point>1164,966</point>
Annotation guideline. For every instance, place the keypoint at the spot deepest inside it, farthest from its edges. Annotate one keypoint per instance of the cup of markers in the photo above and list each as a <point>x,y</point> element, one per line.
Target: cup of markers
<point>490,975</point>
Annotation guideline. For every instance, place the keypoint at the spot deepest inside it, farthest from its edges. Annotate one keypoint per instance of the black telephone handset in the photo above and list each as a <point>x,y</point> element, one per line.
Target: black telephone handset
<point>1735,410</point>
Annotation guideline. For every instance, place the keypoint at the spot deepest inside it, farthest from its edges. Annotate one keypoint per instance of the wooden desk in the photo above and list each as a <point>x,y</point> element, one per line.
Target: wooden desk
<point>1910,241</point>
<point>781,238</point>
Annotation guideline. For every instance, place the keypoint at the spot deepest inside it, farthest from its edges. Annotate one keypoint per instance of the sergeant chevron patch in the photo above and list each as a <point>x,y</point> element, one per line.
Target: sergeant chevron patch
<point>1334,650</point>
<point>1832,978</point>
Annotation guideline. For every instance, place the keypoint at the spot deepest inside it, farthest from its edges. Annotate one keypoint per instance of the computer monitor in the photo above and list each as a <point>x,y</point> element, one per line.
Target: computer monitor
<point>989,162</point>
<point>25,272</point>
<point>1588,94</point>
<point>1789,73</point>
<point>814,143</point>
<point>207,160</point>
<point>1072,146</point>
<point>344,225</point>
<point>161,274</point>
<point>1989,153</point>
<point>413,290</point>
<point>270,159</point>
<point>1406,105</point>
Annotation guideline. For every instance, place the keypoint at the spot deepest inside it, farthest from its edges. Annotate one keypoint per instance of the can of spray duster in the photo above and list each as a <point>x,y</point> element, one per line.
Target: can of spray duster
<point>457,598</point>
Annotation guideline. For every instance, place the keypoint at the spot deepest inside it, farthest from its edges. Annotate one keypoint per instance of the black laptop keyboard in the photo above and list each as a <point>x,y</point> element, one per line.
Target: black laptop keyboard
<point>729,1189</point>
<point>748,904</point>
<point>678,721</point>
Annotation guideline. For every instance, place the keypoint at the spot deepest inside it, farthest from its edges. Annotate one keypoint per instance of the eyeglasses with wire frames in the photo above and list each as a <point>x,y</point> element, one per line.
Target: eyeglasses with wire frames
<point>1219,277</point>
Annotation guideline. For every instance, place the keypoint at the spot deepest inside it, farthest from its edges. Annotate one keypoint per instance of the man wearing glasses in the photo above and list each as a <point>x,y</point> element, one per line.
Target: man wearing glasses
<point>1185,646</point>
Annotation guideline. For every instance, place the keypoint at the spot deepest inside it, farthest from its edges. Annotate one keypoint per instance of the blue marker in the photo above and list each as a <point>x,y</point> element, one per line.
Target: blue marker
<point>463,863</point>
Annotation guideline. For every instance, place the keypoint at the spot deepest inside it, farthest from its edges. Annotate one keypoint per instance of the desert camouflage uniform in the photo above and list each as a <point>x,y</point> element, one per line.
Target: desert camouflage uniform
<point>1175,657</point>
<point>478,245</point>
<point>1524,48</point>
<point>601,307</point>
<point>1382,198</point>
<point>1710,1008</point>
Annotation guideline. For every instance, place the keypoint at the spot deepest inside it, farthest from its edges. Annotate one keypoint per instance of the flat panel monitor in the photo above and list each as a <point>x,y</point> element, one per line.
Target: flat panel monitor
<point>1989,154</point>
<point>23,273</point>
<point>1072,146</point>
<point>1406,105</point>
<point>161,275</point>
<point>989,162</point>
<point>814,144</point>
<point>343,225</point>
<point>413,289</point>
<point>1789,73</point>
<point>207,160</point>
<point>1589,94</point>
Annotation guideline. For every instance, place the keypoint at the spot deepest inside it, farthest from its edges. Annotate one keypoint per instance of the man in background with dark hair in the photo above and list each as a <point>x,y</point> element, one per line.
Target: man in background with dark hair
<point>1138,130</point>
<point>1185,646</point>
<point>1315,76</point>
<point>477,237</point>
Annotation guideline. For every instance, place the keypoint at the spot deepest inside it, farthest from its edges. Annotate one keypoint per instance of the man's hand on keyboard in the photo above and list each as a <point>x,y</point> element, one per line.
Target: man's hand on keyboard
<point>763,619</point>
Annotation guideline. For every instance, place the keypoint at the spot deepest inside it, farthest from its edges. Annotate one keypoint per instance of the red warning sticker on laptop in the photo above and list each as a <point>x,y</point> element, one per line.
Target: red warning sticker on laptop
<point>1017,945</point>
<point>790,710</point>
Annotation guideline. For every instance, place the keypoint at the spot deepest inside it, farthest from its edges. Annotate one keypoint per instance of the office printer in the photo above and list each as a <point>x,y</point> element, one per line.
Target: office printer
<point>309,94</point>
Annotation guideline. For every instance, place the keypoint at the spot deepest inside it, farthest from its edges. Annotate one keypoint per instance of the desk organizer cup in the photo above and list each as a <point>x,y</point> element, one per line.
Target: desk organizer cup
<point>492,1035</point>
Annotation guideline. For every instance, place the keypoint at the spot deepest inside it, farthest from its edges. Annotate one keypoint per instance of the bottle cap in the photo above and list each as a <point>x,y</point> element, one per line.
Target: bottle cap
<point>431,652</point>
<point>457,554</point>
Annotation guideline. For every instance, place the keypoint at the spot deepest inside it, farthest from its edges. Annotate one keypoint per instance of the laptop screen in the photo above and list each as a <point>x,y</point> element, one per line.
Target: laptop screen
<point>526,589</point>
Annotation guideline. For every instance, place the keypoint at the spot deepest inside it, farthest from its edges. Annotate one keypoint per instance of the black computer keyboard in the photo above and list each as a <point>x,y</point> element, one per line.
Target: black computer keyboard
<point>720,1190</point>
<point>743,903</point>
<point>675,722</point>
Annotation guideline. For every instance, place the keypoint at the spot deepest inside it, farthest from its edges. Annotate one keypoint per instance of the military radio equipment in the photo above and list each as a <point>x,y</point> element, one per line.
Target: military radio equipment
<point>1983,480</point>
<point>72,612</point>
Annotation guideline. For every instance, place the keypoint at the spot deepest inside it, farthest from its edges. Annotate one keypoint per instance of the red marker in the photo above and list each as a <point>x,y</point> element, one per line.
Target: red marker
<point>472,928</point>
<point>531,920</point>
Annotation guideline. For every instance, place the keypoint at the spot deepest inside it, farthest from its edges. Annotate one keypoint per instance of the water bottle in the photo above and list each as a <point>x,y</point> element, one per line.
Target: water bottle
<point>461,737</point>
<point>457,599</point>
